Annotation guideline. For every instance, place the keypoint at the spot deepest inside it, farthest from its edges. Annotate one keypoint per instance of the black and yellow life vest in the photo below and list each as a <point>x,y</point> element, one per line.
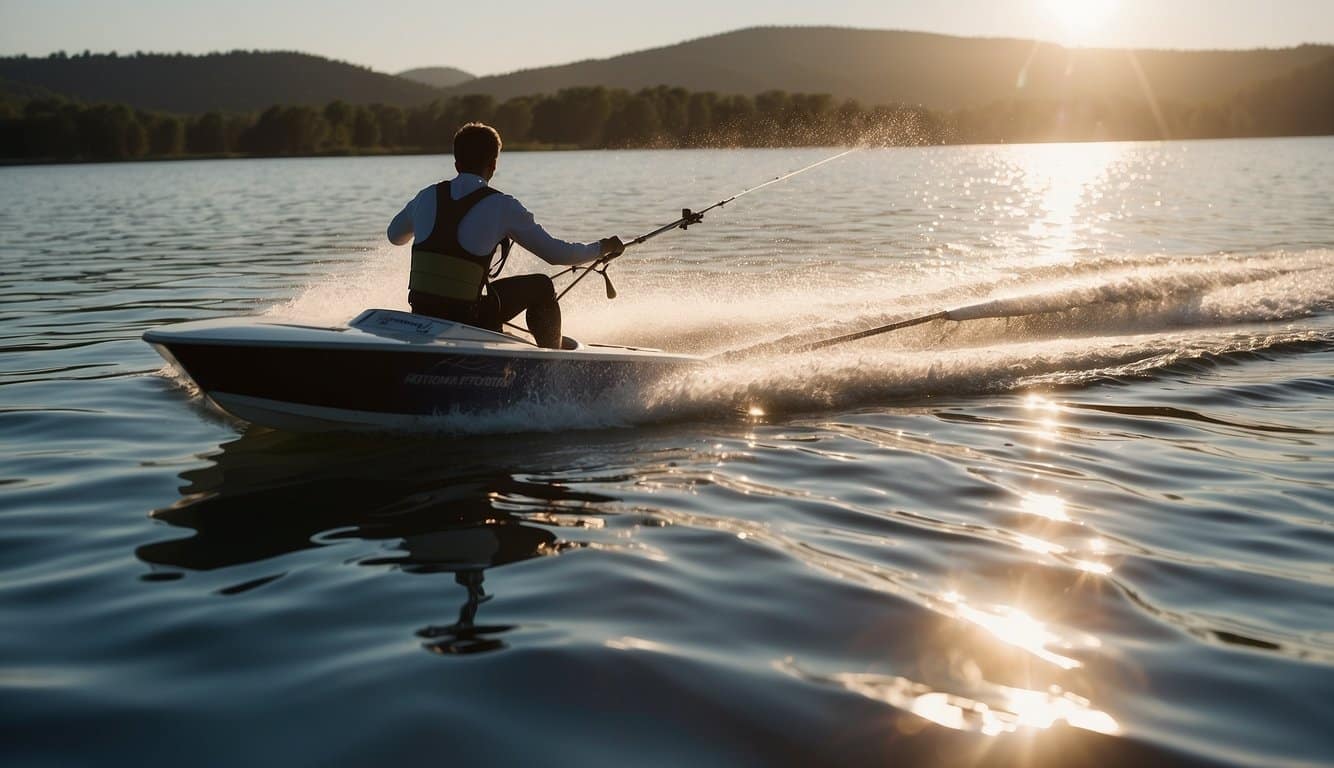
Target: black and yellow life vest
<point>441,266</point>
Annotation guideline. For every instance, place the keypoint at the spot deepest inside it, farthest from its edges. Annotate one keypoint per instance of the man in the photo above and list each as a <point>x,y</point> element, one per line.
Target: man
<point>455,227</point>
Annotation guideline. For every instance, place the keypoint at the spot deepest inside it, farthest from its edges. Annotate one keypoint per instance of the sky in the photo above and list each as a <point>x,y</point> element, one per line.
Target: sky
<point>505,35</point>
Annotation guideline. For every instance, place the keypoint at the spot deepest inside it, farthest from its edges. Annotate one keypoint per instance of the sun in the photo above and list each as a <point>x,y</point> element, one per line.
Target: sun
<point>1079,18</point>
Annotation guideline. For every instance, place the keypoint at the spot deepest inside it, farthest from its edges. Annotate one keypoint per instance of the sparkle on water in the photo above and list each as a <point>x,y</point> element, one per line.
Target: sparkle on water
<point>1102,503</point>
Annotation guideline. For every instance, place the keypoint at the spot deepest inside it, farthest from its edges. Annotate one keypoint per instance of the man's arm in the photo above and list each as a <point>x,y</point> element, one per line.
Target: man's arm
<point>400,229</point>
<point>520,225</point>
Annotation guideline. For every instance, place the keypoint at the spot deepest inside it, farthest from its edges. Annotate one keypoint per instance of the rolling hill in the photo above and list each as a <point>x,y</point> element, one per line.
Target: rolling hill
<point>437,77</point>
<point>22,92</point>
<point>873,66</point>
<point>240,81</point>
<point>885,66</point>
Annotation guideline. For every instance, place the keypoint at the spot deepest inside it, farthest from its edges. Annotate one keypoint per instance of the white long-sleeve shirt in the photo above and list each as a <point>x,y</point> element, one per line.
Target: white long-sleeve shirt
<point>490,221</point>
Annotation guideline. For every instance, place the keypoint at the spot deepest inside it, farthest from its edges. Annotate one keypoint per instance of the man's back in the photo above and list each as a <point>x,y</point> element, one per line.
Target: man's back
<point>490,221</point>
<point>454,239</point>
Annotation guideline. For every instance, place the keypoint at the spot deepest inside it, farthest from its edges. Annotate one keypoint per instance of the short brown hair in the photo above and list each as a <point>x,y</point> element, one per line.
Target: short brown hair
<point>476,146</point>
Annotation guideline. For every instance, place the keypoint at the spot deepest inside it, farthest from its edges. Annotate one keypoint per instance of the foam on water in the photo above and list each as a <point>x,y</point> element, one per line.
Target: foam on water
<point>1022,321</point>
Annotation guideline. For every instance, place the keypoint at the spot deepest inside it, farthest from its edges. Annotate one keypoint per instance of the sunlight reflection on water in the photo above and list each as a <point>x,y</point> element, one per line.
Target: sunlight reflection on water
<point>1000,709</point>
<point>1103,506</point>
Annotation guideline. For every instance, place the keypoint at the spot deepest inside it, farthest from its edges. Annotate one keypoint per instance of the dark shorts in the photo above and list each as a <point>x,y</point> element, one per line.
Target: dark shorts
<point>504,300</point>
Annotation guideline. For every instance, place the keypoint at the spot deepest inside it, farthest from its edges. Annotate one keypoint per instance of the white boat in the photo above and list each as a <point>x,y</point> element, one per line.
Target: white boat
<point>392,370</point>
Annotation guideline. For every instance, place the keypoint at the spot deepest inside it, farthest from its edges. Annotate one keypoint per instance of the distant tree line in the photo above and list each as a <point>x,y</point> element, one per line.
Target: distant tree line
<point>51,128</point>
<point>1299,104</point>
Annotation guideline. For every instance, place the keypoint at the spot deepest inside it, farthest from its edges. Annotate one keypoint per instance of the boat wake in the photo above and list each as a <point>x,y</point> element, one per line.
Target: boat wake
<point>1018,325</point>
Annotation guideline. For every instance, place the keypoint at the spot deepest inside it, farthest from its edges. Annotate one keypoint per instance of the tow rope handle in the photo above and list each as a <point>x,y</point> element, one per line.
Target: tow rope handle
<point>600,266</point>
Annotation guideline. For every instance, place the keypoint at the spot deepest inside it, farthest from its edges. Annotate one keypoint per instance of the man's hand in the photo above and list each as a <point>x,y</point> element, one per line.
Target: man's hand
<point>611,246</point>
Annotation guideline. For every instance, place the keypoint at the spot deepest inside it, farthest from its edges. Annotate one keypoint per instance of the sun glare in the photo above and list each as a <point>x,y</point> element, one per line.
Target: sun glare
<point>1079,18</point>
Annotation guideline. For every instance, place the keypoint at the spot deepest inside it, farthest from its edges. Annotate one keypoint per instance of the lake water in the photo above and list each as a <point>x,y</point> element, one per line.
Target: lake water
<point>1098,529</point>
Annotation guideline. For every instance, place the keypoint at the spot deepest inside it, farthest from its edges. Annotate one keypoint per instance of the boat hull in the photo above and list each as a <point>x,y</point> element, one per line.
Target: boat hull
<point>335,380</point>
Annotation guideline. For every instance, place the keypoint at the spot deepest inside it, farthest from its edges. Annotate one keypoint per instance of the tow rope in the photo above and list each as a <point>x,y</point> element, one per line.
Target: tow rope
<point>688,217</point>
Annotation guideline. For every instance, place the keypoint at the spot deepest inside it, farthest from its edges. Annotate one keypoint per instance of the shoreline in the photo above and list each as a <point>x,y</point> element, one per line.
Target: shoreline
<point>377,152</point>
<point>537,147</point>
